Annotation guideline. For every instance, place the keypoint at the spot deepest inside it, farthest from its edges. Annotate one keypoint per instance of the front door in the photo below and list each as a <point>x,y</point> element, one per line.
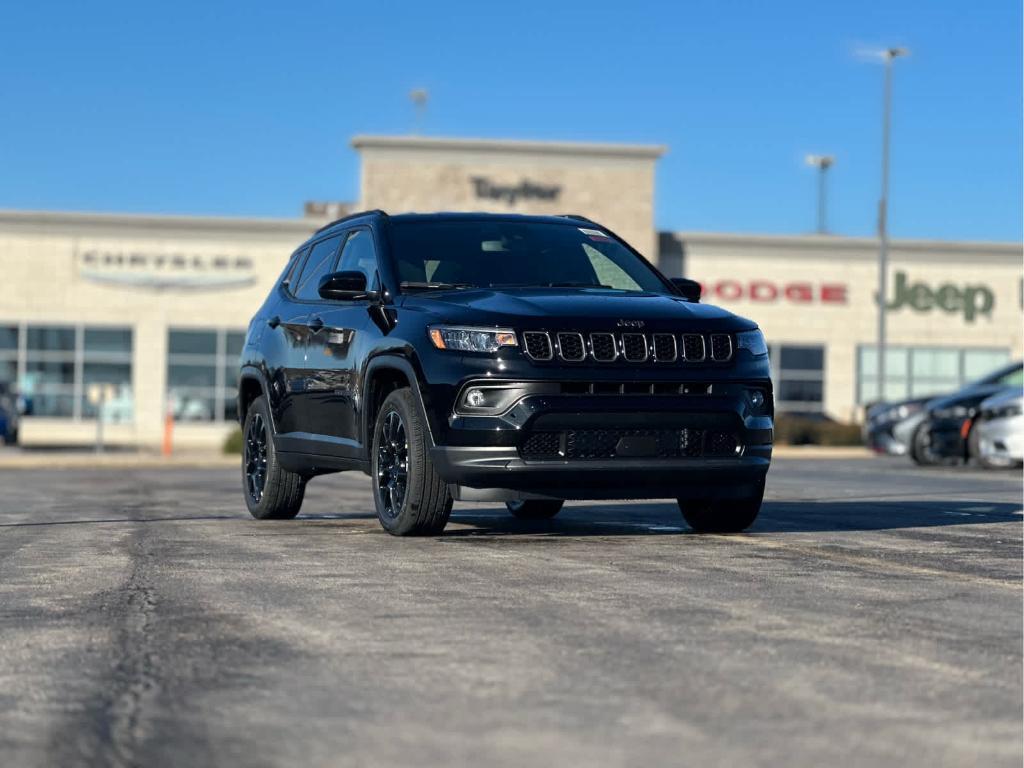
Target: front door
<point>341,333</point>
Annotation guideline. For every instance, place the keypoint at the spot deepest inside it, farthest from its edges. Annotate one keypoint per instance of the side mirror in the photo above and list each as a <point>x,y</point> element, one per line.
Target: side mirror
<point>344,286</point>
<point>688,289</point>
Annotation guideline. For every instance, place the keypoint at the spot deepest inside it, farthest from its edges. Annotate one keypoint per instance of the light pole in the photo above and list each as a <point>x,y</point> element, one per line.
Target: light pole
<point>419,97</point>
<point>888,56</point>
<point>822,163</point>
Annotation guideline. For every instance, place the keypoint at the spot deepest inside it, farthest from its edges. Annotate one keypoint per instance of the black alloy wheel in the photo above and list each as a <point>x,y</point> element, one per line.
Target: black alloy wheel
<point>392,463</point>
<point>255,458</point>
<point>271,491</point>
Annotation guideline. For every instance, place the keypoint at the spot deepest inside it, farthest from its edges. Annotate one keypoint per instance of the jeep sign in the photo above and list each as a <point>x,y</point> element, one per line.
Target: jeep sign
<point>968,300</point>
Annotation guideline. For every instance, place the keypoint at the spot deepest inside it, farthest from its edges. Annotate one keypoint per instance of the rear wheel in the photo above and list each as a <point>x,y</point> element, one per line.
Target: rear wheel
<point>535,509</point>
<point>722,515</point>
<point>411,499</point>
<point>271,493</point>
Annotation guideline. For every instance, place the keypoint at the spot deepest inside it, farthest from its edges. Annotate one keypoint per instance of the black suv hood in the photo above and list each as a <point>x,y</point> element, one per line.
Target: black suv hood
<point>570,307</point>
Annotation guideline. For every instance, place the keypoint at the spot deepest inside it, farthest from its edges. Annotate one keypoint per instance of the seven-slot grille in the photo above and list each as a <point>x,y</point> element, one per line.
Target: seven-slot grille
<point>631,346</point>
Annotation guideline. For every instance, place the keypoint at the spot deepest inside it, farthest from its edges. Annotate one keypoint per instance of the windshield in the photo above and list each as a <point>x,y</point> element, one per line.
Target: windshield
<point>1006,376</point>
<point>511,254</point>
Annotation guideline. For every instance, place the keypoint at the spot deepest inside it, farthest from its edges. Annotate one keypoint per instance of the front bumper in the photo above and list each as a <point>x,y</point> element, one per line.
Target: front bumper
<point>572,446</point>
<point>501,474</point>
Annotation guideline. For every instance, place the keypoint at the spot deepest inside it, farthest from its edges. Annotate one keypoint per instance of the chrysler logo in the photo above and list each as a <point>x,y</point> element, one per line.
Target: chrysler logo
<point>630,323</point>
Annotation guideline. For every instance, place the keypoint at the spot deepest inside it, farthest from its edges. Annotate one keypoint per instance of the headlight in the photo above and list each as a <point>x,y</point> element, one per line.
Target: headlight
<point>1006,412</point>
<point>463,339</point>
<point>952,412</point>
<point>753,341</point>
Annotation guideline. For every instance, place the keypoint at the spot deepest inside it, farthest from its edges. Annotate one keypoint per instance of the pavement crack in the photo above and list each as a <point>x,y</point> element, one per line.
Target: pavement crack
<point>136,677</point>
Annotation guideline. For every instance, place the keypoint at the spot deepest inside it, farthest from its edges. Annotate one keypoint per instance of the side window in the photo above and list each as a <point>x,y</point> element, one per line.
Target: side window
<point>291,272</point>
<point>359,255</point>
<point>319,263</point>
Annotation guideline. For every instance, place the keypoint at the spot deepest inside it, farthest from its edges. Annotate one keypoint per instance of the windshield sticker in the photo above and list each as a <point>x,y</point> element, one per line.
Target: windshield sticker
<point>595,234</point>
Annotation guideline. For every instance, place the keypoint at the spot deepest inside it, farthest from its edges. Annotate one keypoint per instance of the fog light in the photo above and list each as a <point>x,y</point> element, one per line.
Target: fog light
<point>756,398</point>
<point>475,398</point>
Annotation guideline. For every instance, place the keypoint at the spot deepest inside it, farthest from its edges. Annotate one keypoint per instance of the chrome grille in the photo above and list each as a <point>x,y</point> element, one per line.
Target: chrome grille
<point>634,347</point>
<point>571,347</point>
<point>664,347</point>
<point>603,347</point>
<point>537,345</point>
<point>693,347</point>
<point>721,346</point>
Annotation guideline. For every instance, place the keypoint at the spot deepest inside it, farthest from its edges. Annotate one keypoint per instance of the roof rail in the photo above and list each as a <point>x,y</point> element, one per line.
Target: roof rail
<point>578,218</point>
<point>355,215</point>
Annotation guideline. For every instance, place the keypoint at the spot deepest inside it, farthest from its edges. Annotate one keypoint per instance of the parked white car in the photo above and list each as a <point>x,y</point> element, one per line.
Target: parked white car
<point>997,435</point>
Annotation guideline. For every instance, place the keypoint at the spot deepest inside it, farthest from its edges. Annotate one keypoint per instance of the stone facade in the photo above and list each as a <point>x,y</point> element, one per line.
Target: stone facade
<point>610,183</point>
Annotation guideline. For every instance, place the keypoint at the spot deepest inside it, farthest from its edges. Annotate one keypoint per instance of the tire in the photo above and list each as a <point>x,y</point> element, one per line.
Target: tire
<point>722,515</point>
<point>919,447</point>
<point>535,509</point>
<point>271,493</point>
<point>410,498</point>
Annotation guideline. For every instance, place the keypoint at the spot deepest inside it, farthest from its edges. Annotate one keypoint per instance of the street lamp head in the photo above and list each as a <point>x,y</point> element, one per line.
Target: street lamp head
<point>820,161</point>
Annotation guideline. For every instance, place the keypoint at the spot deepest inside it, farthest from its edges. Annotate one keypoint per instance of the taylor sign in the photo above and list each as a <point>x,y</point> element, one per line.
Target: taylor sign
<point>511,193</point>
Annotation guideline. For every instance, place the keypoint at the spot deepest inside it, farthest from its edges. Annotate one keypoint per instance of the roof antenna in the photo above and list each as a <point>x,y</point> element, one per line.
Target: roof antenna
<point>419,98</point>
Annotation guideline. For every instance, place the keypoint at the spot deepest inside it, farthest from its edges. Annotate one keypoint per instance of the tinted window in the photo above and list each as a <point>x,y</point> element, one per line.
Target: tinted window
<point>319,263</point>
<point>359,255</point>
<point>498,253</point>
<point>1013,378</point>
<point>802,358</point>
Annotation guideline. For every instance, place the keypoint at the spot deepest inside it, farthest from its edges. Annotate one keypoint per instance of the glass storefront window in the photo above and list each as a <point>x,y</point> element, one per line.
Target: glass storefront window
<point>57,369</point>
<point>798,372</point>
<point>922,371</point>
<point>9,337</point>
<point>202,373</point>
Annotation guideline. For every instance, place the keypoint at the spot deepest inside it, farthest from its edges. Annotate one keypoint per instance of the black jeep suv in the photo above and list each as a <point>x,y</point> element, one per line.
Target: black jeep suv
<point>488,357</point>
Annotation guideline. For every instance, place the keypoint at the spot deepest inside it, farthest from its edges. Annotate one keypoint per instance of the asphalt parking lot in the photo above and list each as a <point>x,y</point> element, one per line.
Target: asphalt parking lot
<point>871,617</point>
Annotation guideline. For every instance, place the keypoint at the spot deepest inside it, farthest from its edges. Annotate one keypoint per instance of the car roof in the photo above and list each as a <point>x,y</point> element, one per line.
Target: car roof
<point>356,218</point>
<point>487,216</point>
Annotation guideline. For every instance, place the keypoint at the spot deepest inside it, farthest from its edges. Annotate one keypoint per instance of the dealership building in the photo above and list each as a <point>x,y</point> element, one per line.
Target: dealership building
<point>135,317</point>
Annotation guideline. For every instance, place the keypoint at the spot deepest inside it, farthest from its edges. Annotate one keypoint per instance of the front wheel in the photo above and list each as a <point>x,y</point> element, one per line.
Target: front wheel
<point>535,509</point>
<point>411,499</point>
<point>722,515</point>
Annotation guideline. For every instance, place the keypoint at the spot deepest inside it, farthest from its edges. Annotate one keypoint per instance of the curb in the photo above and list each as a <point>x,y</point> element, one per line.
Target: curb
<point>821,452</point>
<point>86,460</point>
<point>94,461</point>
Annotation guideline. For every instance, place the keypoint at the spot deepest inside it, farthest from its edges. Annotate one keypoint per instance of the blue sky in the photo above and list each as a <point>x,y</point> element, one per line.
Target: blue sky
<point>248,108</point>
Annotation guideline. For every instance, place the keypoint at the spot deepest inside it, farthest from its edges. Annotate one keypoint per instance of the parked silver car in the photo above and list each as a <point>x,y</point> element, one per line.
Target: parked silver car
<point>997,435</point>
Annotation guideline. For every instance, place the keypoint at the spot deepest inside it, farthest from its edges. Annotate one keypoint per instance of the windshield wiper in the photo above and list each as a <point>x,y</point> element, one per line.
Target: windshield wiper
<point>414,285</point>
<point>547,285</point>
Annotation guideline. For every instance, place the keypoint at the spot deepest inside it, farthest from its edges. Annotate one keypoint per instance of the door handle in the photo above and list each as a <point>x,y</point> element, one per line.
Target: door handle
<point>315,324</point>
<point>274,321</point>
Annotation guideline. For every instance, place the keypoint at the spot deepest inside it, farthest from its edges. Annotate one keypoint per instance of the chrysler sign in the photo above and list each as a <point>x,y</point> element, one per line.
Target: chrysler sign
<point>161,270</point>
